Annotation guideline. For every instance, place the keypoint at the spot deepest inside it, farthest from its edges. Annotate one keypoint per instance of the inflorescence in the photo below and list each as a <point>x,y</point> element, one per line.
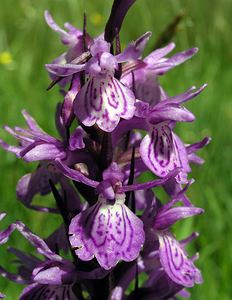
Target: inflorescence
<point>116,122</point>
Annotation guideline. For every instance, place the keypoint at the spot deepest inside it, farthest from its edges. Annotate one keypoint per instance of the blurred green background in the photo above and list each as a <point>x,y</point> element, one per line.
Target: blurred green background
<point>26,44</point>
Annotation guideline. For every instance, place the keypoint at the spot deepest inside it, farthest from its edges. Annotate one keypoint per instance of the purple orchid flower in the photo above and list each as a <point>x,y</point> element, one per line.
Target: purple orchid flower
<point>172,255</point>
<point>158,286</point>
<point>71,37</point>
<point>103,99</point>
<point>36,145</point>
<point>31,145</point>
<point>170,108</point>
<point>55,276</point>
<point>164,259</point>
<point>161,150</point>
<point>108,230</point>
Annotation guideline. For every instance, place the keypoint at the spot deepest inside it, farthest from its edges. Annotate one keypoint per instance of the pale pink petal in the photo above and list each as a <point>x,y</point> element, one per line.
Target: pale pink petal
<point>109,232</point>
<point>104,101</point>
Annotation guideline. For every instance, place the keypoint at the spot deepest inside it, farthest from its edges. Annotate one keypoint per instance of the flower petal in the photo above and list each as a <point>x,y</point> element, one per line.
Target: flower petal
<point>50,272</point>
<point>51,23</point>
<point>199,145</point>
<point>38,182</point>
<point>31,122</point>
<point>12,277</point>
<point>157,150</point>
<point>147,87</point>
<point>109,232</point>
<point>48,292</point>
<point>2,216</point>
<point>104,101</point>
<point>67,107</point>
<point>167,218</point>
<point>172,113</point>
<point>181,98</point>
<point>176,263</point>
<point>35,240</point>
<point>75,175</point>
<point>42,151</point>
<point>134,49</point>
<point>195,159</point>
<point>164,65</point>
<point>14,149</point>
<point>149,184</point>
<point>99,46</point>
<point>162,151</point>
<point>156,55</point>
<point>64,70</point>
<point>181,57</point>
<point>76,139</point>
<point>182,158</point>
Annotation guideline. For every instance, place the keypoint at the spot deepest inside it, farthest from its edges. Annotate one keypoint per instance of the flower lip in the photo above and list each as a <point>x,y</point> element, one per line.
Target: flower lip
<point>109,231</point>
<point>71,38</point>
<point>164,220</point>
<point>175,262</point>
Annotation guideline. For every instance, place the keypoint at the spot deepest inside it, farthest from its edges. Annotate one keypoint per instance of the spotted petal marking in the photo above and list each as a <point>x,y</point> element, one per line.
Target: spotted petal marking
<point>176,263</point>
<point>109,232</point>
<point>160,153</point>
<point>104,101</point>
<point>48,292</point>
